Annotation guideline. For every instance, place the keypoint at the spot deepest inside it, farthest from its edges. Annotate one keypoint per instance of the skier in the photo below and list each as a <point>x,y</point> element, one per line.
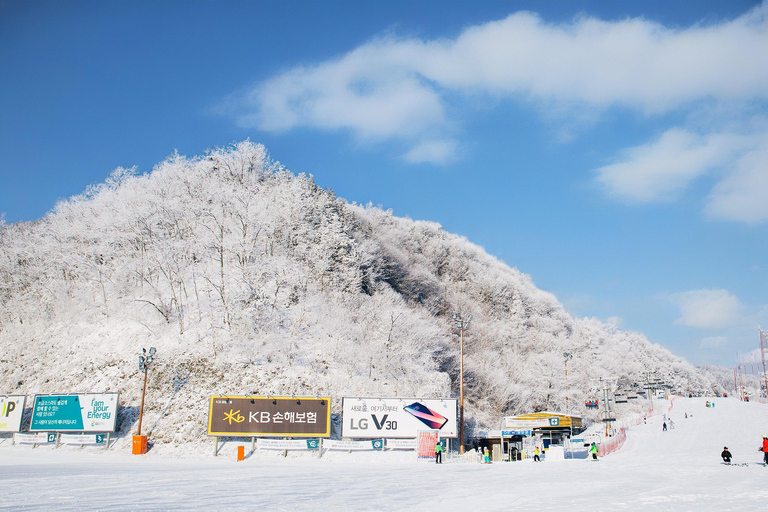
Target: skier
<point>671,423</point>
<point>438,453</point>
<point>726,455</point>
<point>593,451</point>
<point>486,456</point>
<point>664,427</point>
<point>536,454</point>
<point>765,449</point>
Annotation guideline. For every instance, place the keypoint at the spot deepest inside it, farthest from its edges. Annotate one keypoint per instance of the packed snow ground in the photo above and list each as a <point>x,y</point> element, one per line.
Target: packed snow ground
<point>675,470</point>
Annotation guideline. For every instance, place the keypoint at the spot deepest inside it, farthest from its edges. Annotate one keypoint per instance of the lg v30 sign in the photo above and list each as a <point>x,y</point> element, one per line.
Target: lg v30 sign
<point>397,417</point>
<point>265,416</point>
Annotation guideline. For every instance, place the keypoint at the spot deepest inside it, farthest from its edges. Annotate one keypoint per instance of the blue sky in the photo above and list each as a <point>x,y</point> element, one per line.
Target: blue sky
<point>615,151</point>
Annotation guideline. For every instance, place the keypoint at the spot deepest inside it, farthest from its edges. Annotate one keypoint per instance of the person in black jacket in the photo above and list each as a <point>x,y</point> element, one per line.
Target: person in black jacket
<point>726,455</point>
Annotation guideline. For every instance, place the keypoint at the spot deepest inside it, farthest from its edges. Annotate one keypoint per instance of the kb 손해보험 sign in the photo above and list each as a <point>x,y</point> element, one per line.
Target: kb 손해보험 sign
<point>269,416</point>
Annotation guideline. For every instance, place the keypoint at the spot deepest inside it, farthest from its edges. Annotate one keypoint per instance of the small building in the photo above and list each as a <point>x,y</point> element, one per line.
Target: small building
<point>520,433</point>
<point>552,428</point>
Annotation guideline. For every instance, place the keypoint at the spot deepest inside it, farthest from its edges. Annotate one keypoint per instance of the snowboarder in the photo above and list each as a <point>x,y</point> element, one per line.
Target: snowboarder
<point>536,454</point>
<point>486,456</point>
<point>438,453</point>
<point>765,449</point>
<point>664,427</point>
<point>593,451</point>
<point>726,455</point>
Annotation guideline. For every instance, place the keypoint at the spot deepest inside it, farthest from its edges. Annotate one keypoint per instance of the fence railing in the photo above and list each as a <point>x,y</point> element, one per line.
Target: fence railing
<point>612,445</point>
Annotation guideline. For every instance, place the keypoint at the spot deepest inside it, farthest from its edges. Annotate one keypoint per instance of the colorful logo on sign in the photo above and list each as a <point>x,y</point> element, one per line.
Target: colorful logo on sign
<point>234,416</point>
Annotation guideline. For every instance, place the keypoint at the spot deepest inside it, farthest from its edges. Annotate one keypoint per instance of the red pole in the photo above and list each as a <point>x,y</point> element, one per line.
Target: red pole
<point>143,392</point>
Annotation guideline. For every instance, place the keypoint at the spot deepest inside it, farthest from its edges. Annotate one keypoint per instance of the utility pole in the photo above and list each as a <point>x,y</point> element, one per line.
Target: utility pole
<point>463,325</point>
<point>742,387</point>
<point>145,360</point>
<point>566,357</point>
<point>763,335</point>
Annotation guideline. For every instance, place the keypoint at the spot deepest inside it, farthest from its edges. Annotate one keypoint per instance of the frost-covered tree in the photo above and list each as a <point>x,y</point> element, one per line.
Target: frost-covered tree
<point>252,280</point>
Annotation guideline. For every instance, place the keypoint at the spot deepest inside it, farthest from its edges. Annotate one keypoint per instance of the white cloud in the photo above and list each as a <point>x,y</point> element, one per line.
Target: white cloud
<point>753,357</point>
<point>394,88</point>
<point>432,151</point>
<point>714,342</point>
<point>743,194</point>
<point>660,170</point>
<point>707,309</point>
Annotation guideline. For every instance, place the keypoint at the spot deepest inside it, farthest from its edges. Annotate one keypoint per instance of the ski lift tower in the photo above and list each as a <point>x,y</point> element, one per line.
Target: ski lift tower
<point>652,383</point>
<point>608,415</point>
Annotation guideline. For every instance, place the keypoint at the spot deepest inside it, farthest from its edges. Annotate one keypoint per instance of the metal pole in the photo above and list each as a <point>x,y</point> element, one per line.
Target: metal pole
<point>762,335</point>
<point>566,401</point>
<point>461,394</point>
<point>143,392</point>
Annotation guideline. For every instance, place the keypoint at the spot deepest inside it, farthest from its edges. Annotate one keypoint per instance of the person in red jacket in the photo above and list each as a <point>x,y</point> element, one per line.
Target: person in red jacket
<point>765,449</point>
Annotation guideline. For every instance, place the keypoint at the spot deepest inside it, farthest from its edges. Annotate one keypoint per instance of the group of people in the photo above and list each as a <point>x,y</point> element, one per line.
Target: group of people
<point>726,454</point>
<point>485,457</point>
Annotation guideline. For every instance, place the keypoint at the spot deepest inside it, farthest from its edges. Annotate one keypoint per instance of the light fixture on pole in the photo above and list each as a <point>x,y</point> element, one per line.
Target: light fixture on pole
<point>566,357</point>
<point>145,361</point>
<point>463,325</point>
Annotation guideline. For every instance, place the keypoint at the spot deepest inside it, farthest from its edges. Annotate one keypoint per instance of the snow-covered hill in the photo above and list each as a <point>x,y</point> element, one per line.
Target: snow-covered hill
<point>251,280</point>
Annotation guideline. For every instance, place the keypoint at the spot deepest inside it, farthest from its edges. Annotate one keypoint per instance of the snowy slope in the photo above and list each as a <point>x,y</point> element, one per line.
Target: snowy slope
<point>678,470</point>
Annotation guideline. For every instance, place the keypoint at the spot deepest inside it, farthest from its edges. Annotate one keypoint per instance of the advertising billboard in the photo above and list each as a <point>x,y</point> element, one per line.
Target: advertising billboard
<point>269,416</point>
<point>397,417</point>
<point>11,411</point>
<point>87,412</point>
<point>288,444</point>
<point>513,422</point>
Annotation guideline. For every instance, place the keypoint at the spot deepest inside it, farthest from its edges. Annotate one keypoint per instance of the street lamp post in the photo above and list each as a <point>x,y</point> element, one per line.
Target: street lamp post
<point>145,361</point>
<point>566,357</point>
<point>463,325</point>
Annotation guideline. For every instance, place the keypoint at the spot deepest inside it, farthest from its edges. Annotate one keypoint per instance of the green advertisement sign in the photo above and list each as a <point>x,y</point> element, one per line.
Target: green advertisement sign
<point>91,412</point>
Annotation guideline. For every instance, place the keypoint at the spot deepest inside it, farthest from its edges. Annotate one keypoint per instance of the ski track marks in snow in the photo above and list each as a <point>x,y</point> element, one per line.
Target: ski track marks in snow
<point>677,470</point>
